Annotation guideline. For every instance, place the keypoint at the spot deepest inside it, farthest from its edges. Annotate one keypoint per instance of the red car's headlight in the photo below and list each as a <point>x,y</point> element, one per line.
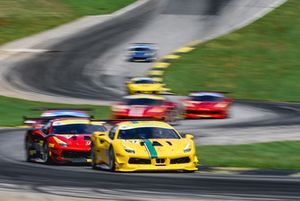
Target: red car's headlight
<point>156,110</point>
<point>188,104</point>
<point>221,105</point>
<point>120,108</point>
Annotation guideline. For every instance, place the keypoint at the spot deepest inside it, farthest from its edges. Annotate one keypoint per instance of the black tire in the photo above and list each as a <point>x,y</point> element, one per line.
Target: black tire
<point>94,164</point>
<point>112,161</point>
<point>45,154</point>
<point>28,148</point>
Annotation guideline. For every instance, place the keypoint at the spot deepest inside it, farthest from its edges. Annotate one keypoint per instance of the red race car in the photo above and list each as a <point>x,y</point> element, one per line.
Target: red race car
<point>62,140</point>
<point>206,105</point>
<point>145,106</point>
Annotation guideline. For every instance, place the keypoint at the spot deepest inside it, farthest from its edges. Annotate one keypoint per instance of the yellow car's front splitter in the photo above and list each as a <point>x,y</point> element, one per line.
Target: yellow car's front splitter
<point>174,167</point>
<point>124,165</point>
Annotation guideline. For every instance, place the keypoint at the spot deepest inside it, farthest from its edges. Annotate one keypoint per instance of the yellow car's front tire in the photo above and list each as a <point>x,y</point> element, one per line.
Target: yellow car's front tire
<point>93,157</point>
<point>112,160</point>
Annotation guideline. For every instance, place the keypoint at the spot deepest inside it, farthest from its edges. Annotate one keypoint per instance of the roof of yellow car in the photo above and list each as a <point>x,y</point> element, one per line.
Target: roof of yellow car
<point>145,96</point>
<point>137,124</point>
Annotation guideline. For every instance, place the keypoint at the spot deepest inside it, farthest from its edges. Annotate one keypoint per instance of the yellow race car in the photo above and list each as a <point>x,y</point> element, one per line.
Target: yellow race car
<point>143,146</point>
<point>144,85</point>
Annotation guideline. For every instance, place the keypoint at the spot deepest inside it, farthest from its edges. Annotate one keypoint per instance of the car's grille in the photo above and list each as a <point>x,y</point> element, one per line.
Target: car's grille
<point>139,161</point>
<point>160,160</point>
<point>203,112</point>
<point>180,160</point>
<point>87,138</point>
<point>75,154</point>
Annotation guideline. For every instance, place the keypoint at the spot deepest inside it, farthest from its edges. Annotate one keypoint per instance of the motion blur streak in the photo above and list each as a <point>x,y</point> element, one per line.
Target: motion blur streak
<point>91,65</point>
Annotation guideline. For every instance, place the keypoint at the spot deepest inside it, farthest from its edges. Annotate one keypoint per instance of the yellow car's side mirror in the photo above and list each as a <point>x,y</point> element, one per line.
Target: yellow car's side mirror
<point>99,134</point>
<point>189,136</point>
<point>102,137</point>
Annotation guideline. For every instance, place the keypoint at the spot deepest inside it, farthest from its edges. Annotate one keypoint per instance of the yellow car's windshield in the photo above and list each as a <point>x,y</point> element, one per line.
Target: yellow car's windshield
<point>148,133</point>
<point>144,81</point>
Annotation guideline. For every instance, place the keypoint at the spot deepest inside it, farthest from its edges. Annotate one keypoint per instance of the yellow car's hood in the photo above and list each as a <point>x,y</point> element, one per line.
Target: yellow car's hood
<point>159,147</point>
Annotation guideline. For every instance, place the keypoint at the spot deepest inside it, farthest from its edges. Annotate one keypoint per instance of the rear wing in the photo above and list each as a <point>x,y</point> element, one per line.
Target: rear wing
<point>116,121</point>
<point>45,109</point>
<point>33,120</point>
<point>44,120</point>
<point>208,91</point>
<point>142,43</point>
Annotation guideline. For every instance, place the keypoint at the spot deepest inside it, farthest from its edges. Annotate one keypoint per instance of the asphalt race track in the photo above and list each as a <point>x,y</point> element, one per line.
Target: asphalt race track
<point>80,181</point>
<point>91,65</point>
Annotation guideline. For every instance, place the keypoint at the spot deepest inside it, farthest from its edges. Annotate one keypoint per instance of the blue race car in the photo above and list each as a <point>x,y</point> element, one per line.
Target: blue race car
<point>142,52</point>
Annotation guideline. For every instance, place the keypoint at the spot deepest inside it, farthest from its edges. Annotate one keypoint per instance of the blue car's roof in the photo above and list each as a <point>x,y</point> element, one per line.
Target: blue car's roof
<point>143,45</point>
<point>71,113</point>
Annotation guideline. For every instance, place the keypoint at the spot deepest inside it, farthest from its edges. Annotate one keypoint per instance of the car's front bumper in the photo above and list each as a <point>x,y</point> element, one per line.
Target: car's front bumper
<point>141,59</point>
<point>207,113</point>
<point>157,164</point>
<point>70,156</point>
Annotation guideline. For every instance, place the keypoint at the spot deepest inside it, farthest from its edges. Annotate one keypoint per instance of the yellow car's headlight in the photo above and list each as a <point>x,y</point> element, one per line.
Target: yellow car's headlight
<point>187,148</point>
<point>128,149</point>
<point>131,151</point>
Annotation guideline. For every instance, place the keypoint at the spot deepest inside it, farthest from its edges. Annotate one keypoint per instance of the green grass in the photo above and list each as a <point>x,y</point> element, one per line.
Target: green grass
<point>12,110</point>
<point>20,18</point>
<point>260,61</point>
<point>275,155</point>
